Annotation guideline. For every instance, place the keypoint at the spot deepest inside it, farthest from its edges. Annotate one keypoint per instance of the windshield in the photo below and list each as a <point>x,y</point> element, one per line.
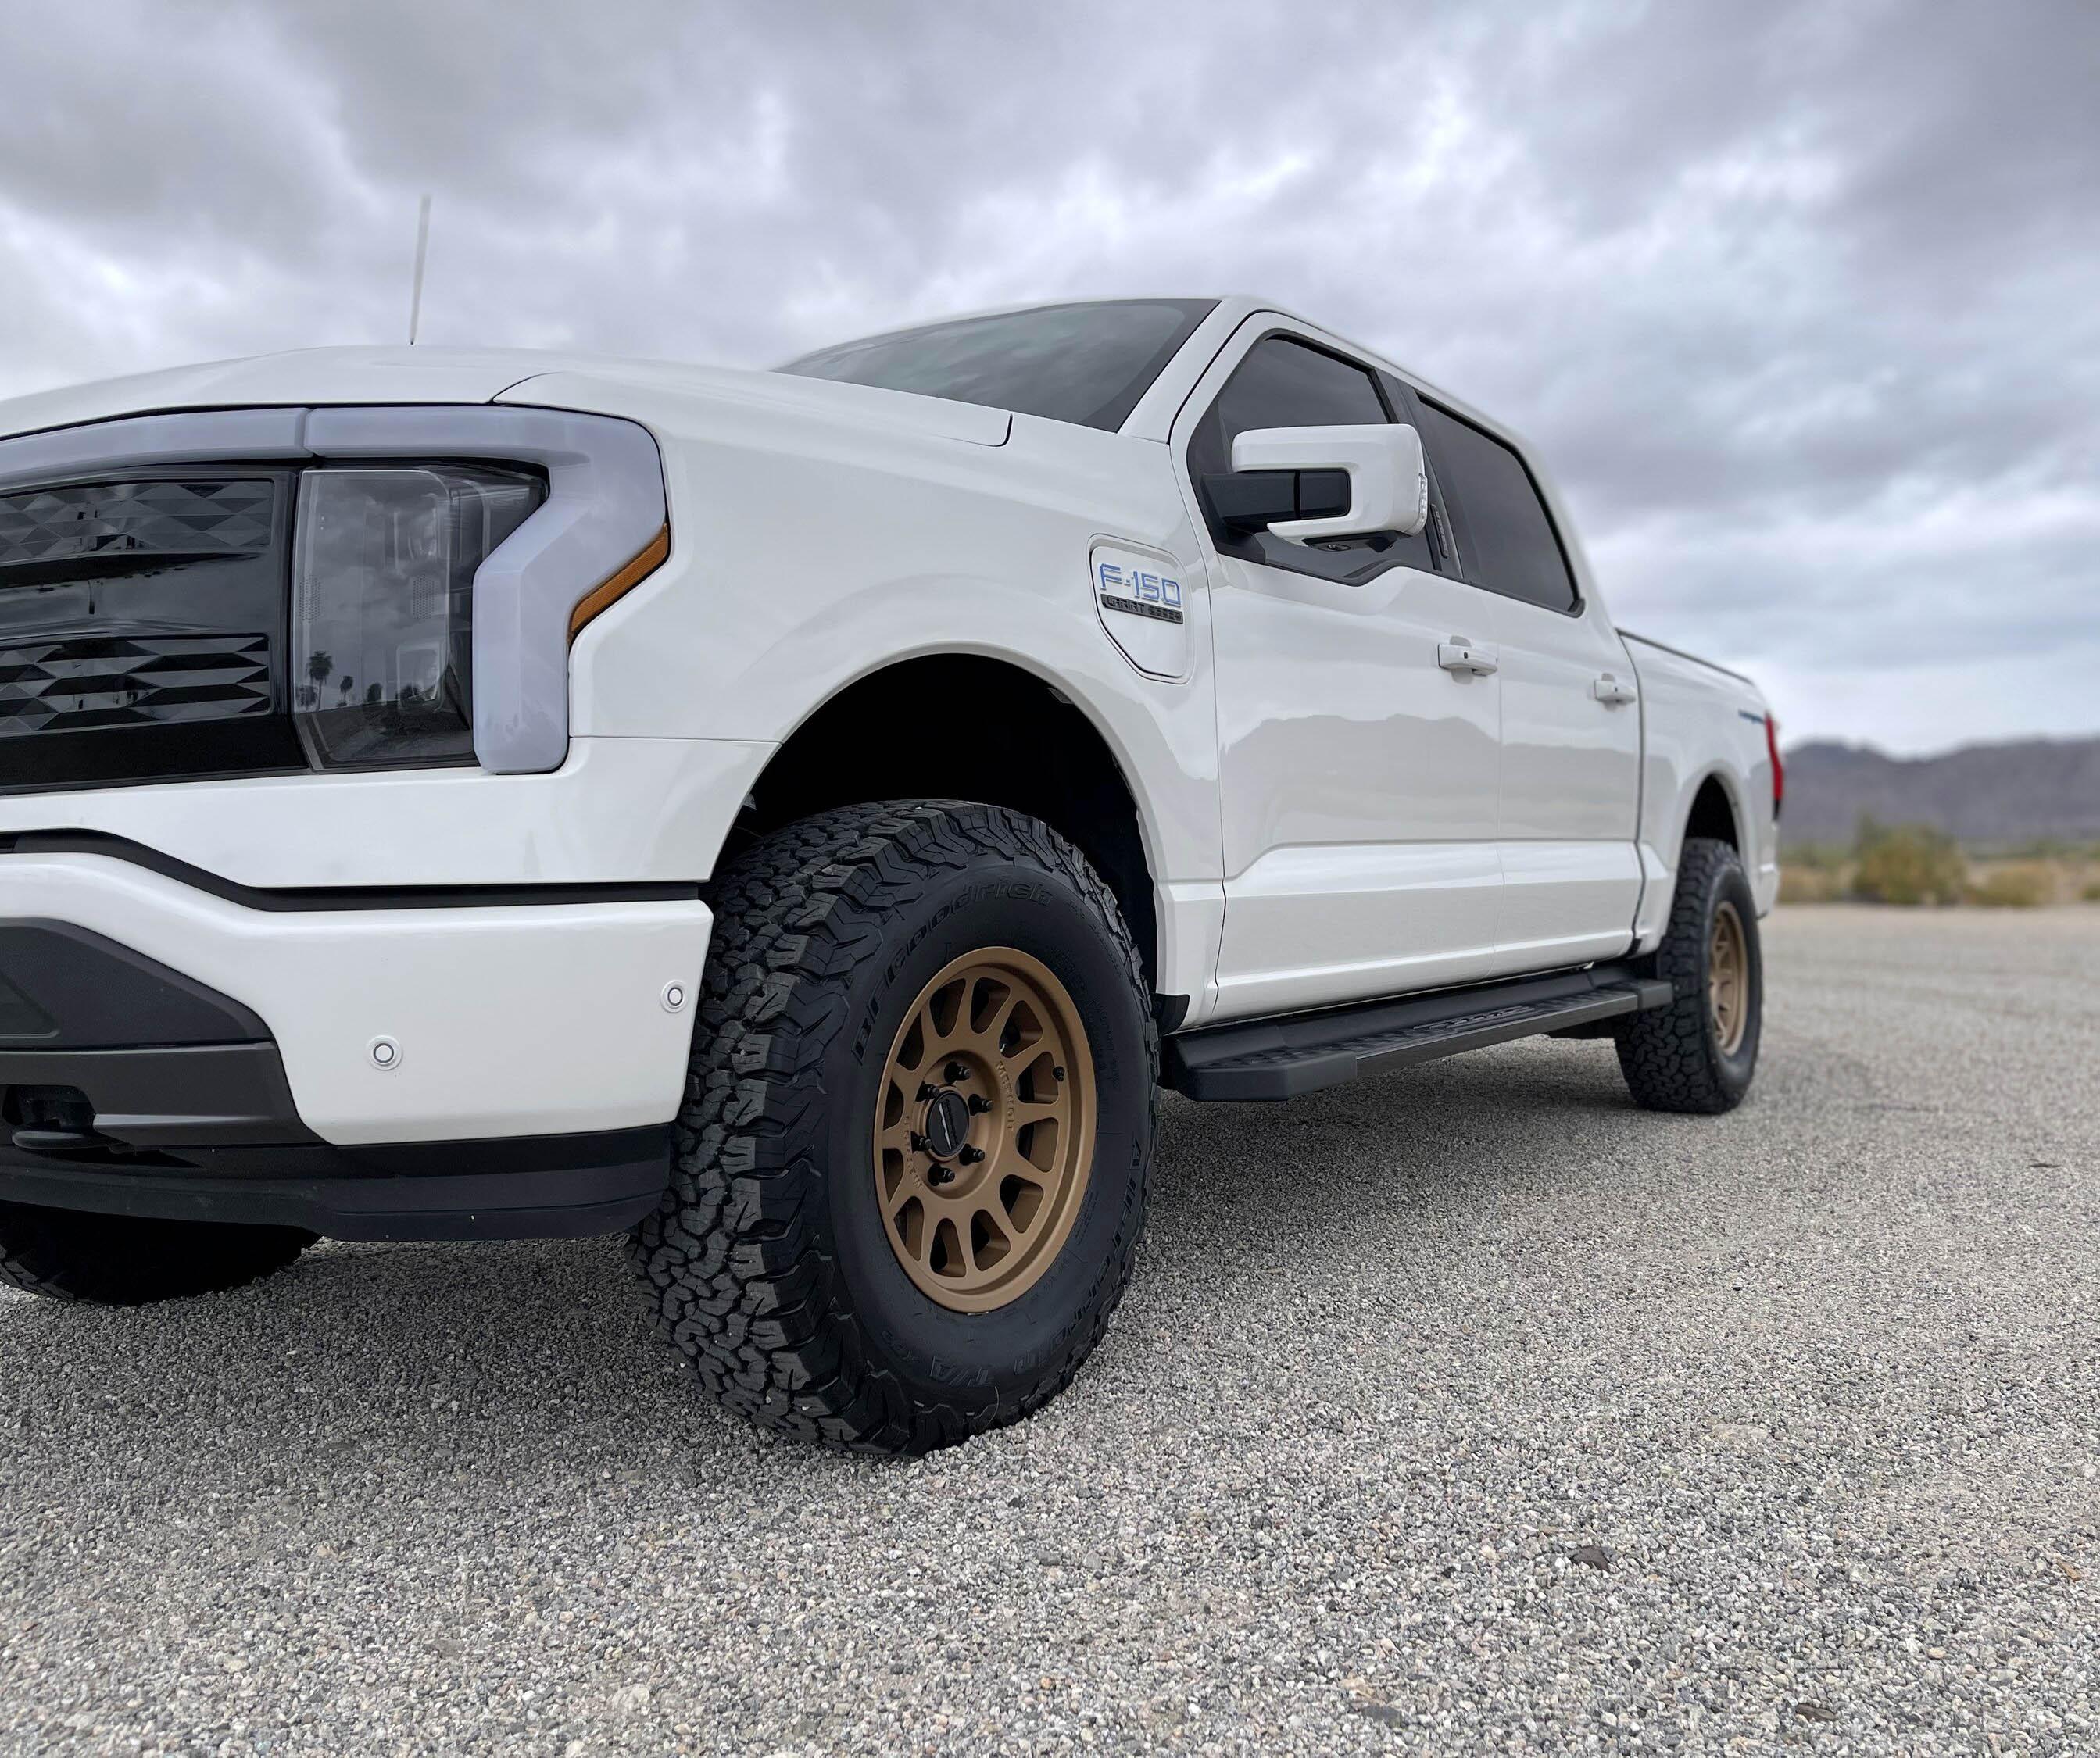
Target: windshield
<point>1085,363</point>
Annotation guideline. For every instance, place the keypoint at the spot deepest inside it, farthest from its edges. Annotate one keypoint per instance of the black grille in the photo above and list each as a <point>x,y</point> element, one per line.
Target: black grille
<point>71,686</point>
<point>121,522</point>
<point>142,629</point>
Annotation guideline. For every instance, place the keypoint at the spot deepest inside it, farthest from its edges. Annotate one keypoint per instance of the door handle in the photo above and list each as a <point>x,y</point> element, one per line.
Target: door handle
<point>1463,658</point>
<point>1609,691</point>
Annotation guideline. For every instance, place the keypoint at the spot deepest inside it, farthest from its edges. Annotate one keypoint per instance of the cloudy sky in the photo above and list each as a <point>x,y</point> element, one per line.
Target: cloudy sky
<point>1801,302</point>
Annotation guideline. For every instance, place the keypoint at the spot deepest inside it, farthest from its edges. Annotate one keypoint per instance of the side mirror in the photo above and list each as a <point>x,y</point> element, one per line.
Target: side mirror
<point>1308,482</point>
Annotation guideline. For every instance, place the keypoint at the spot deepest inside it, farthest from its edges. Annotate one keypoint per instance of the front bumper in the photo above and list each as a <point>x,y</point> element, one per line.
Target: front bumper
<point>222,1049</point>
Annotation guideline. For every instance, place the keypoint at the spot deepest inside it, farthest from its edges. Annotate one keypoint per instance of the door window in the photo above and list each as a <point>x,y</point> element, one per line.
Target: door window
<point>1284,382</point>
<point>1504,533</point>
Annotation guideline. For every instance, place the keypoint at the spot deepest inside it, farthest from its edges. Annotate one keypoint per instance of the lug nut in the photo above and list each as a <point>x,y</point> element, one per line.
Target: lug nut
<point>979,1104</point>
<point>970,1156</point>
<point>940,1175</point>
<point>927,1089</point>
<point>920,1145</point>
<point>956,1071</point>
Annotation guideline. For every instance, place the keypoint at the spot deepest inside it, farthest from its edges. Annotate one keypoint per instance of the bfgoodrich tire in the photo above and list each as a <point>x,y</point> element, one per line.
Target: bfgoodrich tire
<point>1700,1053</point>
<point>911,1163</point>
<point>114,1260</point>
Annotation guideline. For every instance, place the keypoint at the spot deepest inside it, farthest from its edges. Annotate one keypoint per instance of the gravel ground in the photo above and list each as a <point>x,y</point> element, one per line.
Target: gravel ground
<point>1468,1411</point>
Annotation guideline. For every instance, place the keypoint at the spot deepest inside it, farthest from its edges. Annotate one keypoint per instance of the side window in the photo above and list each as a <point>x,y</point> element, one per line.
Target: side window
<point>1285,383</point>
<point>1503,531</point>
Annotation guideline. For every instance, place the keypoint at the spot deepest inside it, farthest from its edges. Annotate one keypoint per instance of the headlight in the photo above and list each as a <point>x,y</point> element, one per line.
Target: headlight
<point>382,607</point>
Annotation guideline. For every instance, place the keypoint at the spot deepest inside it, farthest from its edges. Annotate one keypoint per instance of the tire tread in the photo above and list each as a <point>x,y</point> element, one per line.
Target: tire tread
<point>1667,1054</point>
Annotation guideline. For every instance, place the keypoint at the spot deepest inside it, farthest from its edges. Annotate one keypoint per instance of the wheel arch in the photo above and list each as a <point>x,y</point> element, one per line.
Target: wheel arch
<point>1714,807</point>
<point>877,736</point>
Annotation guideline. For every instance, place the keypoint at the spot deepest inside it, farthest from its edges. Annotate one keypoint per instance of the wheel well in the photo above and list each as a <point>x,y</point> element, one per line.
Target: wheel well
<point>954,726</point>
<point>1712,815</point>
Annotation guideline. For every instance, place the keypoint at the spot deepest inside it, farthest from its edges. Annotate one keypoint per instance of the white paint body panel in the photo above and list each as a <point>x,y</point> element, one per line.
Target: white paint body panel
<point>1358,789</point>
<point>1699,722</point>
<point>924,545</point>
<point>620,811</point>
<point>537,1021</point>
<point>1325,812</point>
<point>1570,789</point>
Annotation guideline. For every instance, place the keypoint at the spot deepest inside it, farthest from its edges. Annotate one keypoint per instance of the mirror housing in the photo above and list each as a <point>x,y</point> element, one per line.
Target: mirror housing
<point>1383,467</point>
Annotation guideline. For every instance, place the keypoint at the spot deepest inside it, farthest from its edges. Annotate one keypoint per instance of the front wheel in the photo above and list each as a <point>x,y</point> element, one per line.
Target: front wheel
<point>1698,1053</point>
<point>911,1163</point>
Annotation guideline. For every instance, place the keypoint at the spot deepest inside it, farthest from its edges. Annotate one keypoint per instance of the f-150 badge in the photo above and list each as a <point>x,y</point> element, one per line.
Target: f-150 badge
<point>1143,606</point>
<point>1138,591</point>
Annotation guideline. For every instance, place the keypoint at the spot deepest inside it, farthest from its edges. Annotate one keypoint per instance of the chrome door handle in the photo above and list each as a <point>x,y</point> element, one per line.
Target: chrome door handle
<point>1463,658</point>
<point>1609,691</point>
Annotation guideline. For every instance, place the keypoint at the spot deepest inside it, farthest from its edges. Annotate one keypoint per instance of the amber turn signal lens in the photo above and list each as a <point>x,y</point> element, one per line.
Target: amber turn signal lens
<point>621,584</point>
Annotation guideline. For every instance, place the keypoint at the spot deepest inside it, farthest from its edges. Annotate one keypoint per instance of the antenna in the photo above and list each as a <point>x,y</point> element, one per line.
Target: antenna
<point>422,249</point>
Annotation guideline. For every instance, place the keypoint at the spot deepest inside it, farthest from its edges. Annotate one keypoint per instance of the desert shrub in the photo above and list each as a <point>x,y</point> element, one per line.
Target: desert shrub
<point>2022,885</point>
<point>1908,863</point>
<point>1815,857</point>
<point>1809,885</point>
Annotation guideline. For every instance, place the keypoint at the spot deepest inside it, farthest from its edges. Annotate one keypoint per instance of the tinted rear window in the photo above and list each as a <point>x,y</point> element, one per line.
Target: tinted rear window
<point>1087,363</point>
<point>1505,538</point>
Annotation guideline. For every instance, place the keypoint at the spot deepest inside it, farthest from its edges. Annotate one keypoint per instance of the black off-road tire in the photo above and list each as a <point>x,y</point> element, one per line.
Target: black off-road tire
<point>768,1263</point>
<point>1673,1057</point>
<point>115,1260</point>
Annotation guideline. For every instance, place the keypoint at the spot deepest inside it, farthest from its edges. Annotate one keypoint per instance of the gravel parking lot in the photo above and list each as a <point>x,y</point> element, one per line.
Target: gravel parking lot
<point>1467,1411</point>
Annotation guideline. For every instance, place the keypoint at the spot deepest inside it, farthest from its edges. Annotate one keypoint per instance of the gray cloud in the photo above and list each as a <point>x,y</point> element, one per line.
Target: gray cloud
<point>1801,302</point>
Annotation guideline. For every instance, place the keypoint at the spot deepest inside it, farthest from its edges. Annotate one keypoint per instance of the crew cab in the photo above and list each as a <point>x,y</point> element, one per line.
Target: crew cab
<point>801,819</point>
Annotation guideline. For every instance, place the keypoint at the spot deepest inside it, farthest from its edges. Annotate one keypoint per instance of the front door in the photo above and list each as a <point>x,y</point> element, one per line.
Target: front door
<point>1358,777</point>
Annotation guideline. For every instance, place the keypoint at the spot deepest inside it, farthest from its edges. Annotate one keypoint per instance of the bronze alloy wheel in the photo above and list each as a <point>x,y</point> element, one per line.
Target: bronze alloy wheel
<point>984,1130</point>
<point>1728,980</point>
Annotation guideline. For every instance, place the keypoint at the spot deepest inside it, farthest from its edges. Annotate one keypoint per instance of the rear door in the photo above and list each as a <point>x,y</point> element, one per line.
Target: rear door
<point>1570,795</point>
<point>1357,776</point>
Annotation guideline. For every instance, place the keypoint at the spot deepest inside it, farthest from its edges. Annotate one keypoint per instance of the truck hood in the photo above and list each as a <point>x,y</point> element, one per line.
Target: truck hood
<point>312,377</point>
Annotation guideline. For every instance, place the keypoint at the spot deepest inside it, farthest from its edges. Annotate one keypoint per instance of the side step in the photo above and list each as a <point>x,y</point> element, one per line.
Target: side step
<point>1301,1053</point>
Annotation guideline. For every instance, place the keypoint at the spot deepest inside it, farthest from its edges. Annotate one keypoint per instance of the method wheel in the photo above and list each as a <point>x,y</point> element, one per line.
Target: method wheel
<point>1698,1053</point>
<point>116,1260</point>
<point>984,1130</point>
<point>911,1163</point>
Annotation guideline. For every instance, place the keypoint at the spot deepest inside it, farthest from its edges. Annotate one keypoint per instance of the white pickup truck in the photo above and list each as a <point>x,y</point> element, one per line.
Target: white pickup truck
<point>801,818</point>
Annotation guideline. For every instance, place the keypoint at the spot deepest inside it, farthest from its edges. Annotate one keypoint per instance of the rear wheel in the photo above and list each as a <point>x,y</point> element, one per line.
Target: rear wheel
<point>1698,1053</point>
<point>115,1260</point>
<point>912,1164</point>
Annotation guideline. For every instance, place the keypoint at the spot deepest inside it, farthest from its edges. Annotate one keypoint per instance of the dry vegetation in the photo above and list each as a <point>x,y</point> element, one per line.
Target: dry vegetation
<point>1913,864</point>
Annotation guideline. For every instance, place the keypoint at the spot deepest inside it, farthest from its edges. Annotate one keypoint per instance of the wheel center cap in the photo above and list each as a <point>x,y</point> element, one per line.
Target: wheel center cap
<point>947,1123</point>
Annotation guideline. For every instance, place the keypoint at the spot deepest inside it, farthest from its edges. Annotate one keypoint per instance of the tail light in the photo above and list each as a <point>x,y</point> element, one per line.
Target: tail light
<point>1779,768</point>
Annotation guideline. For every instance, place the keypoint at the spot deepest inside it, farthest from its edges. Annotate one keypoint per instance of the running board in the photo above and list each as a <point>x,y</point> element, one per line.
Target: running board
<point>1301,1053</point>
